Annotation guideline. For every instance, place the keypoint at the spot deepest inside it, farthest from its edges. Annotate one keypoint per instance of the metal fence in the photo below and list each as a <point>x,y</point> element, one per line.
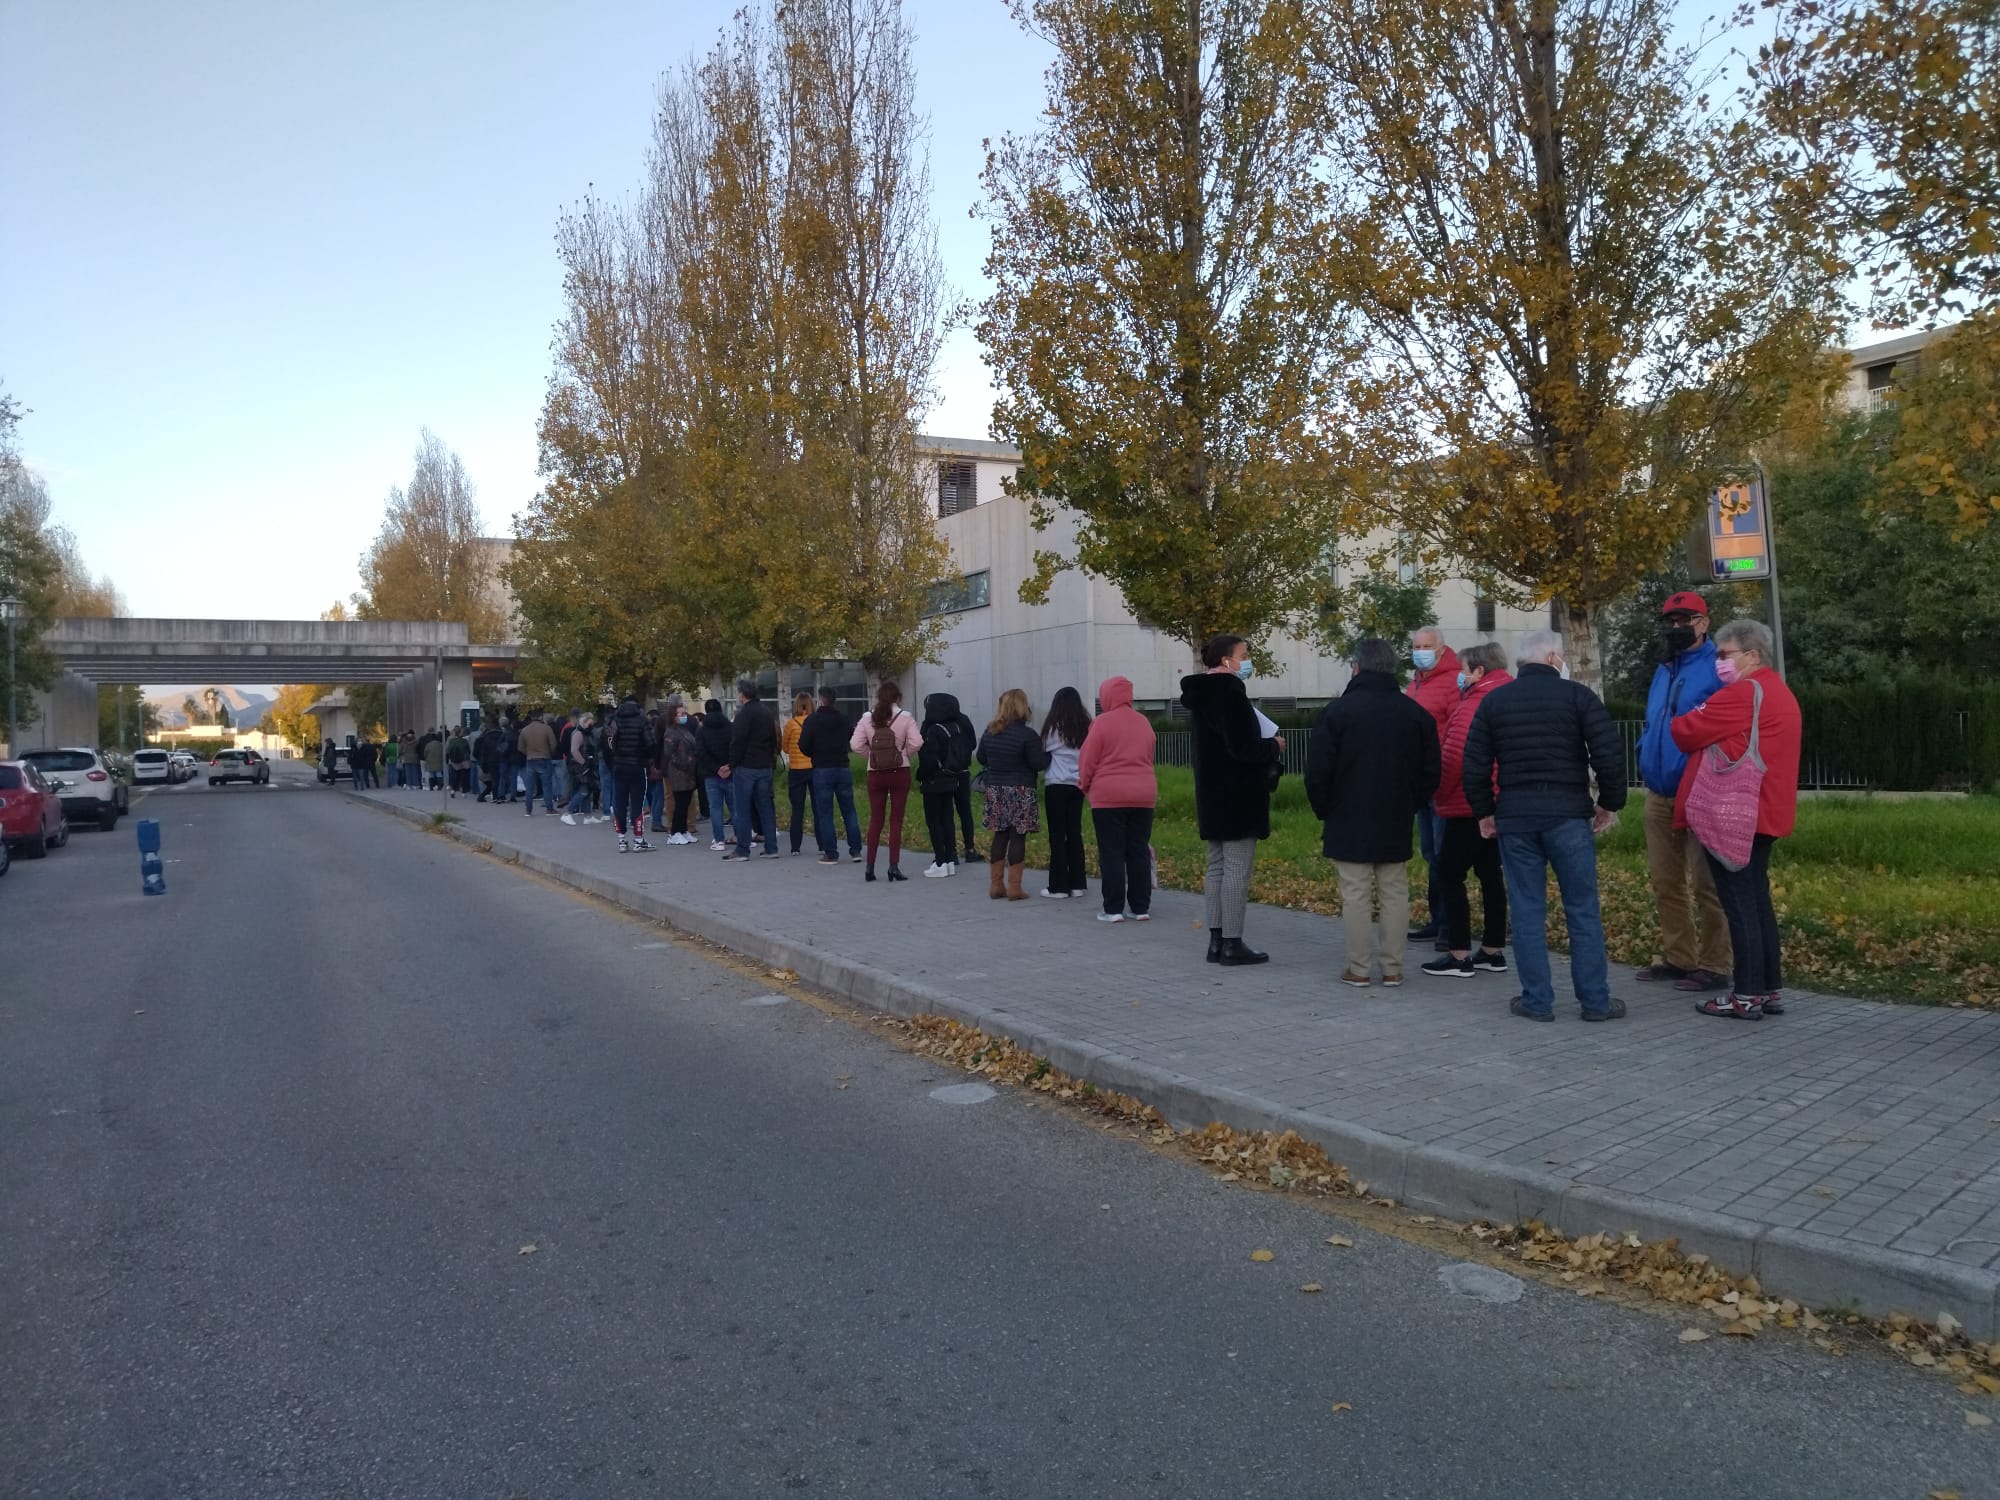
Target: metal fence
<point>1821,767</point>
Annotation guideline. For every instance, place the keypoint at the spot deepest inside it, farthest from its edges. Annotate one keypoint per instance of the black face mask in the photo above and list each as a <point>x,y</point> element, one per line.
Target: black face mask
<point>1679,638</point>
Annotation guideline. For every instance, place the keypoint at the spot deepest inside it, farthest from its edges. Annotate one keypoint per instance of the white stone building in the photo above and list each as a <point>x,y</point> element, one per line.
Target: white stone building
<point>1085,633</point>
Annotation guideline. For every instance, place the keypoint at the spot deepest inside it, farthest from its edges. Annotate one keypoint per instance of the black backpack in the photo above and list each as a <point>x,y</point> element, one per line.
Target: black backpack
<point>959,745</point>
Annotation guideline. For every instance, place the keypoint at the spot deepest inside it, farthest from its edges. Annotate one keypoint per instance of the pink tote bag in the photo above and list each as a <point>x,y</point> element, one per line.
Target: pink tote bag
<point>1722,803</point>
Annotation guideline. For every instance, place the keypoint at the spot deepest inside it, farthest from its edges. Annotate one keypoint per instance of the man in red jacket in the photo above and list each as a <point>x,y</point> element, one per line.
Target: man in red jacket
<point>1751,691</point>
<point>1435,686</point>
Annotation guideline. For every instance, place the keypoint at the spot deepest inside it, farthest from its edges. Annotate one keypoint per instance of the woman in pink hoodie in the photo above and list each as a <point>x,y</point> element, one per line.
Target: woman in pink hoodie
<point>1115,772</point>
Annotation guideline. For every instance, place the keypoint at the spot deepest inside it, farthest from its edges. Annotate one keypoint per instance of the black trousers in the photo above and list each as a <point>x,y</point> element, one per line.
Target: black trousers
<point>1064,805</point>
<point>1462,851</point>
<point>939,809</point>
<point>1124,857</point>
<point>1745,895</point>
<point>798,791</point>
<point>628,800</point>
<point>963,797</point>
<point>681,801</point>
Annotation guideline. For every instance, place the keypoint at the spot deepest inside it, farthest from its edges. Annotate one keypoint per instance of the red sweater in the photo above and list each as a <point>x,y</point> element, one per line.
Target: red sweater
<point>1437,689</point>
<point>1724,719</point>
<point>1115,767</point>
<point>1450,801</point>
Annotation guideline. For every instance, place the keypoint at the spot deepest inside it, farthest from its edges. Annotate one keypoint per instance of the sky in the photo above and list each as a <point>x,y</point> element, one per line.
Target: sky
<point>249,250</point>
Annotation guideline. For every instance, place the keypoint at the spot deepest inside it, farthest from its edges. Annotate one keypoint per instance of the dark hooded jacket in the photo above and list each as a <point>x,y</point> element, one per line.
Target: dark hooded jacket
<point>1233,762</point>
<point>945,727</point>
<point>1373,762</point>
<point>823,739</point>
<point>628,738</point>
<point>712,744</point>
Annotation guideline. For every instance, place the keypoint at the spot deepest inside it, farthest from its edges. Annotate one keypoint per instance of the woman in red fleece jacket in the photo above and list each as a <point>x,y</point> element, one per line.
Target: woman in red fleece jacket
<point>1743,651</point>
<point>1461,848</point>
<point>1115,772</point>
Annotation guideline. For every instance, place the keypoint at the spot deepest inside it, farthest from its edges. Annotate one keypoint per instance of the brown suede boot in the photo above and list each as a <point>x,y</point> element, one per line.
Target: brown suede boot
<point>1014,891</point>
<point>999,886</point>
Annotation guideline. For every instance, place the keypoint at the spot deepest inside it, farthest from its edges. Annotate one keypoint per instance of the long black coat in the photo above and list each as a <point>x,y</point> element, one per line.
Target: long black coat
<point>1373,762</point>
<point>1232,760</point>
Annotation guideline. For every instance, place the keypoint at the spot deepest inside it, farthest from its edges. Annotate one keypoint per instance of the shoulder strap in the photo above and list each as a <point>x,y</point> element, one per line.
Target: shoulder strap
<point>1756,713</point>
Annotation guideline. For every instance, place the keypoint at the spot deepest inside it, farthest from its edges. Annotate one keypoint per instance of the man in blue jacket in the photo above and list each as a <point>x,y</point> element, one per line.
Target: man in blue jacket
<point>1682,887</point>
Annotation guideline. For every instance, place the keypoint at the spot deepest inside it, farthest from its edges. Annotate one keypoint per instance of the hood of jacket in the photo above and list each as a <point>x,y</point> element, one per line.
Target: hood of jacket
<point>1114,692</point>
<point>942,707</point>
<point>1204,688</point>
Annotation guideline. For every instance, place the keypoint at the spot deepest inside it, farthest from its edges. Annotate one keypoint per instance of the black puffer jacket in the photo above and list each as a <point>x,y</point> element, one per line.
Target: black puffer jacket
<point>1547,735</point>
<point>1013,756</point>
<point>1232,760</point>
<point>711,745</point>
<point>628,738</point>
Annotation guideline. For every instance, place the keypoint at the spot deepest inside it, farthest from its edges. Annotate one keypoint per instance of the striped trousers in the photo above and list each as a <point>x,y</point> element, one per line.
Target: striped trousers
<point>1227,885</point>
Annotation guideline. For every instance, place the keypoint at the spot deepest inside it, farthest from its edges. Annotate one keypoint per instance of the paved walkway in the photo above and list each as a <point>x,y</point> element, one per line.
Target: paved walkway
<point>1848,1150</point>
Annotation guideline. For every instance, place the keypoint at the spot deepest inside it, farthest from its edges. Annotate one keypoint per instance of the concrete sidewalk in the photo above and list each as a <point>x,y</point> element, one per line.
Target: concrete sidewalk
<point>1846,1152</point>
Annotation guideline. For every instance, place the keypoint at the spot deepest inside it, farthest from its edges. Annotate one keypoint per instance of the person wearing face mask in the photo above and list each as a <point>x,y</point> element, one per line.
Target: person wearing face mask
<point>1461,851</point>
<point>1752,710</point>
<point>1235,763</point>
<point>1435,686</point>
<point>1694,934</point>
<point>1548,737</point>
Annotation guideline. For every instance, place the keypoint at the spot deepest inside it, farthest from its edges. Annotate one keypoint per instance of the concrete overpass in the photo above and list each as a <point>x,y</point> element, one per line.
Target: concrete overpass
<point>413,657</point>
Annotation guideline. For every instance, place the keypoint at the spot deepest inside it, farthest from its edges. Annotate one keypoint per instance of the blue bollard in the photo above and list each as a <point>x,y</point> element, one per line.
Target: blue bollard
<point>150,866</point>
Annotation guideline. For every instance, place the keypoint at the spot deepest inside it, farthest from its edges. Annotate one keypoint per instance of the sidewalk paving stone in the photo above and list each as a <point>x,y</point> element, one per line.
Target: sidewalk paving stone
<point>1850,1148</point>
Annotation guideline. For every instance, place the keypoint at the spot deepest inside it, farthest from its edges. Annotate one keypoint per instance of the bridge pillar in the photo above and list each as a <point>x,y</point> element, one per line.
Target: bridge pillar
<point>64,715</point>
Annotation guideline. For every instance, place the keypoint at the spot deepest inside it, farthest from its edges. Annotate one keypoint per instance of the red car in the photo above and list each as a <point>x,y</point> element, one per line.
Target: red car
<point>31,815</point>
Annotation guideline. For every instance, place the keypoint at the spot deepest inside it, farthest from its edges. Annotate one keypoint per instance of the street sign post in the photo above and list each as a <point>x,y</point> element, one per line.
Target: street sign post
<point>1741,544</point>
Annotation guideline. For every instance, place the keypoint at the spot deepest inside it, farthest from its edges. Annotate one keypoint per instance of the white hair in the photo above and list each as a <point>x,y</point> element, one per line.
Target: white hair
<point>1748,635</point>
<point>1536,647</point>
<point>1432,629</point>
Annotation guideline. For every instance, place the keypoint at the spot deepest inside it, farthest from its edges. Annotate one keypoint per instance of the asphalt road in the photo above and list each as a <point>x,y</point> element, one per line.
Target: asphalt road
<point>271,1147</point>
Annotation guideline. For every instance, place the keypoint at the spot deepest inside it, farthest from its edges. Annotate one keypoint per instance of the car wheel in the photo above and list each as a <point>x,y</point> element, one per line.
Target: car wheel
<point>6,857</point>
<point>107,819</point>
<point>36,847</point>
<point>62,834</point>
<point>212,781</point>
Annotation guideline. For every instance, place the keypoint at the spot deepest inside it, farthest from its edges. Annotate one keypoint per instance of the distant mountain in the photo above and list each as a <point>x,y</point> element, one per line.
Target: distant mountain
<point>246,707</point>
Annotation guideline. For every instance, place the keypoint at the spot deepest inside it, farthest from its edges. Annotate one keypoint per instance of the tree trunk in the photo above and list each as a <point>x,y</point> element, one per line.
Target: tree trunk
<point>1578,624</point>
<point>785,687</point>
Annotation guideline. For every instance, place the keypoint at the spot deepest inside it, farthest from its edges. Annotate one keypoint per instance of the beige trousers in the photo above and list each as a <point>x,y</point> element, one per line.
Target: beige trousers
<point>1683,888</point>
<point>1358,887</point>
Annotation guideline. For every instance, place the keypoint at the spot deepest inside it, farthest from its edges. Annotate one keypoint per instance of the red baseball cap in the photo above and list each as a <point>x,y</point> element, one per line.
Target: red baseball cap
<point>1686,602</point>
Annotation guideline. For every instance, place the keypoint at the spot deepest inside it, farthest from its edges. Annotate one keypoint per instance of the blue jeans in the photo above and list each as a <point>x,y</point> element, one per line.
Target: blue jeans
<point>719,803</point>
<point>754,808</point>
<point>578,799</point>
<point>831,785</point>
<point>1527,857</point>
<point>1430,843</point>
<point>656,804</point>
<point>541,771</point>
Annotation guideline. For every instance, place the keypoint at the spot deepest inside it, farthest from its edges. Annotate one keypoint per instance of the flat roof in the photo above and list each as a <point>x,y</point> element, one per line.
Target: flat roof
<point>951,447</point>
<point>1895,348</point>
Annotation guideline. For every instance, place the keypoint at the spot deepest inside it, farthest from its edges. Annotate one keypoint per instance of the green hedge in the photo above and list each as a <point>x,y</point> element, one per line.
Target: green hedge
<point>1913,733</point>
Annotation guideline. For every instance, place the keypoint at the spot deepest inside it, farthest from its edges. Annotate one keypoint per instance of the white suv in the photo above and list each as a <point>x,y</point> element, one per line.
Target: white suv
<point>238,765</point>
<point>153,765</point>
<point>91,790</point>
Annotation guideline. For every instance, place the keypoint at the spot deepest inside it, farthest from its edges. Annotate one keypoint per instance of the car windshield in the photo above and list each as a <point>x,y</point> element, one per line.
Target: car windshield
<point>10,778</point>
<point>150,757</point>
<point>60,760</point>
<point>232,756</point>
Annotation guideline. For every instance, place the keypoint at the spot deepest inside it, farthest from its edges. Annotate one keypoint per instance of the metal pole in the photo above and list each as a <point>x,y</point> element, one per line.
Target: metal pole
<point>444,786</point>
<point>13,690</point>
<point>1771,551</point>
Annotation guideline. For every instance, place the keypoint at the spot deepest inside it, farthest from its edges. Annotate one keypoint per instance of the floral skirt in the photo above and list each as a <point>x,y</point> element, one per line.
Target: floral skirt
<point>1012,809</point>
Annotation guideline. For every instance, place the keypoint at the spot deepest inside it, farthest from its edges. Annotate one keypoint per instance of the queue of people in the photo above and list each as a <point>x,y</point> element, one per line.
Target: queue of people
<point>1501,771</point>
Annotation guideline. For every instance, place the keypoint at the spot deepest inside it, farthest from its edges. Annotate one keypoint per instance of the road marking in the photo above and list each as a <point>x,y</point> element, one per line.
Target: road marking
<point>962,1093</point>
<point>1482,1283</point>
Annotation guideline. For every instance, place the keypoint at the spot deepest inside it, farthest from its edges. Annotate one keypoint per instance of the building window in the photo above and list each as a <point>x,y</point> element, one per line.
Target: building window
<point>1483,616</point>
<point>1881,385</point>
<point>958,594</point>
<point>958,487</point>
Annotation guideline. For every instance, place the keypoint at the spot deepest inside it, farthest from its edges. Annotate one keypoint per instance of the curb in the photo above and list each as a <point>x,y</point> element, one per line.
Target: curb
<point>1814,1269</point>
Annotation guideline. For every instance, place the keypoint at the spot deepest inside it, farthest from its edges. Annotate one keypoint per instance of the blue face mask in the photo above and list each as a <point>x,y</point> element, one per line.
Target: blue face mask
<point>1462,683</point>
<point>1244,670</point>
<point>1425,658</point>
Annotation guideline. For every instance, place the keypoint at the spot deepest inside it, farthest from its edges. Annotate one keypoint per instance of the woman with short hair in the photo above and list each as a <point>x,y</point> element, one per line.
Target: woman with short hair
<point>1013,754</point>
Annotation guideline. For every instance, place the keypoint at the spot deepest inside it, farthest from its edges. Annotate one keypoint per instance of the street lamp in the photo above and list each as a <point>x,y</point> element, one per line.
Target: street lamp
<point>10,611</point>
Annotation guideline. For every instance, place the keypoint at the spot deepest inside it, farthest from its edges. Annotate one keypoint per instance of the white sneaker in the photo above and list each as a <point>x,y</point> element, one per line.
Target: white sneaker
<point>717,847</point>
<point>624,846</point>
<point>1055,895</point>
<point>569,818</point>
<point>937,872</point>
<point>1111,916</point>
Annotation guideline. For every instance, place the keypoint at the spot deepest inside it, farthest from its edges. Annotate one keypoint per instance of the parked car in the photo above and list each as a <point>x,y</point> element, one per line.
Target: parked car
<point>238,765</point>
<point>186,762</point>
<point>31,810</point>
<point>153,765</point>
<point>341,769</point>
<point>91,792</point>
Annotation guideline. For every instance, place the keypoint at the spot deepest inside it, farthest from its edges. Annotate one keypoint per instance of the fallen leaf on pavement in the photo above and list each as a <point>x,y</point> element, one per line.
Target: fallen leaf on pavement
<point>1942,1495</point>
<point>1343,1406</point>
<point>527,1250</point>
<point>1948,1325</point>
<point>1988,1383</point>
<point>1740,1329</point>
<point>1694,1335</point>
<point>1978,1419</point>
<point>1263,1255</point>
<point>1312,1286</point>
<point>1341,1240</point>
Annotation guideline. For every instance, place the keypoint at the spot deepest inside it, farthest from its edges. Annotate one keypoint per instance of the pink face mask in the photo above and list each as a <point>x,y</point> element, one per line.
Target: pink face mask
<point>1725,668</point>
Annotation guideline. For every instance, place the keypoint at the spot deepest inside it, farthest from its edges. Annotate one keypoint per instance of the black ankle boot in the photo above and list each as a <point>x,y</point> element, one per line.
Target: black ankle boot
<point>1236,951</point>
<point>871,873</point>
<point>1215,945</point>
<point>896,874</point>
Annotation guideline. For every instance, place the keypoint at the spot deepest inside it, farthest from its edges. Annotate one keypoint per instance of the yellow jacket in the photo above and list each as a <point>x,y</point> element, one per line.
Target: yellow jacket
<point>793,760</point>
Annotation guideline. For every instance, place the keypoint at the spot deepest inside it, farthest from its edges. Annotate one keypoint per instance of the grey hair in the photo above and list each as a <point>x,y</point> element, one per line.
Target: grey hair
<point>747,686</point>
<point>1432,627</point>
<point>1749,635</point>
<point>1487,656</point>
<point>1374,655</point>
<point>1536,647</point>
